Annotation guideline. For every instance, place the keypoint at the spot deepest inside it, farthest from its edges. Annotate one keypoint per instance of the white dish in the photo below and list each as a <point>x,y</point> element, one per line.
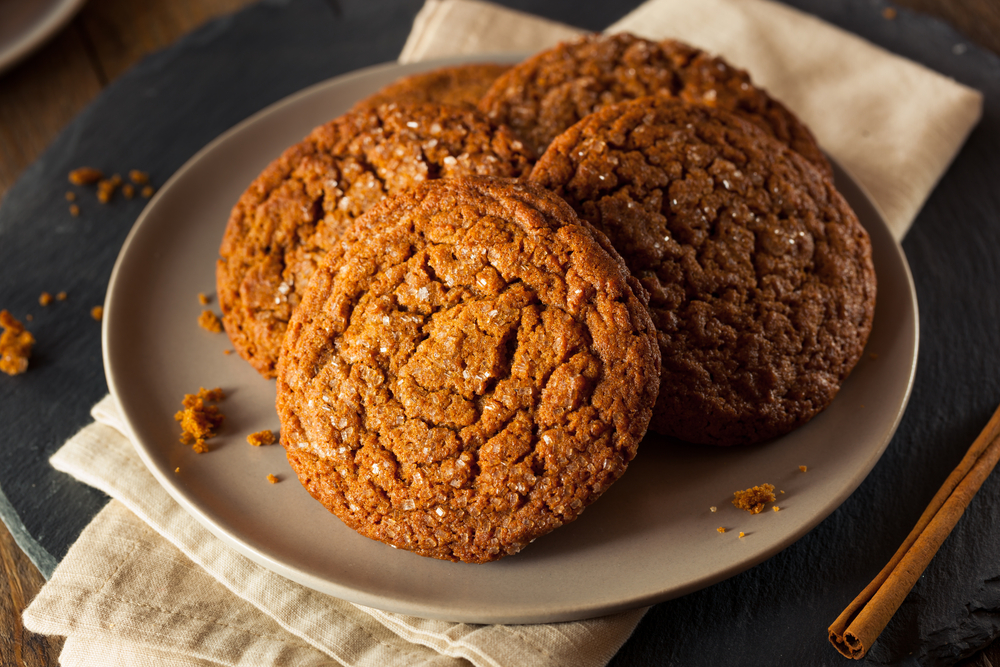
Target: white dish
<point>651,537</point>
<point>27,24</point>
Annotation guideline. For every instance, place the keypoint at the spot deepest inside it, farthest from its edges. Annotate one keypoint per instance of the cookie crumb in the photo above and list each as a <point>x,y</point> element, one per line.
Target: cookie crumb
<point>85,176</point>
<point>74,210</point>
<point>177,469</point>
<point>15,345</point>
<point>97,312</point>
<point>803,468</point>
<point>138,177</point>
<point>70,195</point>
<point>776,508</point>
<point>147,191</point>
<point>29,317</point>
<point>889,13</point>
<point>128,190</point>
<point>752,500</point>
<point>227,352</point>
<point>106,190</point>
<point>61,296</point>
<point>713,508</point>
<point>273,479</point>
<point>742,534</point>
<point>721,529</point>
<point>45,299</point>
<point>261,438</point>
<point>204,299</point>
<point>199,420</point>
<point>209,321</point>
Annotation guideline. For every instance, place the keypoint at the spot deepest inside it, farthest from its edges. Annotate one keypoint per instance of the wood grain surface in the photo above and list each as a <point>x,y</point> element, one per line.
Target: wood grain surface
<point>42,94</point>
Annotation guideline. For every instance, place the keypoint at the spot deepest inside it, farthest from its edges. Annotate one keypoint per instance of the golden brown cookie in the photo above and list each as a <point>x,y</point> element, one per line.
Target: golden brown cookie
<point>761,281</point>
<point>461,85</point>
<point>297,209</point>
<point>470,373</point>
<point>544,95</point>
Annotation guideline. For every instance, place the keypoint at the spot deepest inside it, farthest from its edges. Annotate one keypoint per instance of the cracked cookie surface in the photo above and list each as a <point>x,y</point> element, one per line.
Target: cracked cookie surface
<point>761,281</point>
<point>299,207</point>
<point>457,85</point>
<point>468,375</point>
<point>547,93</point>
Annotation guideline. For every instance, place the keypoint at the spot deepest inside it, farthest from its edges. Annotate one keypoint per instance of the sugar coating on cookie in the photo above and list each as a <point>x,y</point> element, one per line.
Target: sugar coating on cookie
<point>547,93</point>
<point>297,209</point>
<point>469,374</point>
<point>761,281</point>
<point>457,85</point>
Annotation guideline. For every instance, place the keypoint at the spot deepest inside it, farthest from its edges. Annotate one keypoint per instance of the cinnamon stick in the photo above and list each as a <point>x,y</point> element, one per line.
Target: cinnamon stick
<point>860,624</point>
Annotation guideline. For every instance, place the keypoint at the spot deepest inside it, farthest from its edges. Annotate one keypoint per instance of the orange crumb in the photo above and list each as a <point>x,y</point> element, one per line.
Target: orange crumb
<point>177,469</point>
<point>128,190</point>
<point>776,508</point>
<point>85,176</point>
<point>70,196</point>
<point>261,438</point>
<point>272,479</point>
<point>74,210</point>
<point>713,508</point>
<point>106,190</point>
<point>204,299</point>
<point>227,352</point>
<point>138,177</point>
<point>97,312</point>
<point>742,534</point>
<point>198,420</point>
<point>61,296</point>
<point>209,321</point>
<point>721,529</point>
<point>889,13</point>
<point>752,500</point>
<point>15,345</point>
<point>147,191</point>
<point>780,491</point>
<point>803,468</point>
<point>45,299</point>
<point>29,317</point>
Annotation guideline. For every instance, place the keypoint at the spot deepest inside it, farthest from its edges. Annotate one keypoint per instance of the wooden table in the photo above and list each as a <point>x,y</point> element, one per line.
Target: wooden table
<point>42,94</point>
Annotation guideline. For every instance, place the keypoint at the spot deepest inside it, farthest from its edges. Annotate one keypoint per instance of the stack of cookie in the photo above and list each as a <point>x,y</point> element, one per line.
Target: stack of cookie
<point>478,288</point>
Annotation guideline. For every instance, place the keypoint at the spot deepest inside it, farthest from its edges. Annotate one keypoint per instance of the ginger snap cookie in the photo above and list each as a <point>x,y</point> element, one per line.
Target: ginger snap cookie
<point>297,209</point>
<point>547,93</point>
<point>761,281</point>
<point>458,85</point>
<point>470,373</point>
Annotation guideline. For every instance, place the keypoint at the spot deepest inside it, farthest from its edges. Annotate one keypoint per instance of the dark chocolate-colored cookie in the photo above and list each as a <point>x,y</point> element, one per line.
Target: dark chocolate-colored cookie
<point>470,373</point>
<point>297,209</point>
<point>461,85</point>
<point>761,281</point>
<point>542,96</point>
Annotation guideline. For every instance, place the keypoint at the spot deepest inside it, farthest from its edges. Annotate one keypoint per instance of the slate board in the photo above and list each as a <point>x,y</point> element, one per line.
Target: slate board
<point>172,103</point>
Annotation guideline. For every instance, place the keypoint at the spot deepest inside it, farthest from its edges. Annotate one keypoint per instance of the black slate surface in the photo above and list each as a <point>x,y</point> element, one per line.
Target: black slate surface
<point>166,108</point>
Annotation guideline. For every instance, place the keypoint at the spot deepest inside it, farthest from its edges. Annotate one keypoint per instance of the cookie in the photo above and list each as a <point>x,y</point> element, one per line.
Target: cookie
<point>461,85</point>
<point>547,93</point>
<point>297,209</point>
<point>761,281</point>
<point>470,373</point>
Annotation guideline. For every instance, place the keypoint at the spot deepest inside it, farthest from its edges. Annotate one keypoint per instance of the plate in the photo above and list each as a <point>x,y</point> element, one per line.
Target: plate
<point>650,538</point>
<point>27,24</point>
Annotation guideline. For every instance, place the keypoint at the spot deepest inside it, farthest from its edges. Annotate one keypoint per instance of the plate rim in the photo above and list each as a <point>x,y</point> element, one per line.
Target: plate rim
<point>353,594</point>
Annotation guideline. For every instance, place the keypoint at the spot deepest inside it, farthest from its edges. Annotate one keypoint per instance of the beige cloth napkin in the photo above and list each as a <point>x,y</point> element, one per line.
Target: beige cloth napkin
<point>146,584</point>
<point>894,125</point>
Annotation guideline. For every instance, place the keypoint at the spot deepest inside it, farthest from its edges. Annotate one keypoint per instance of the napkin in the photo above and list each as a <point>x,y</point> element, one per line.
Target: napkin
<point>146,583</point>
<point>892,124</point>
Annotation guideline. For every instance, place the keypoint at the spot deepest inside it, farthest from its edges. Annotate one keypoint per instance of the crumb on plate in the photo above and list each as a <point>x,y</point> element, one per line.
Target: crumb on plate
<point>752,500</point>
<point>198,419</point>
<point>15,345</point>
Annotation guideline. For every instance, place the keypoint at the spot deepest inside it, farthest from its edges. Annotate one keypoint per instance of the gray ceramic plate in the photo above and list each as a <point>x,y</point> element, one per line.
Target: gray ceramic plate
<point>650,538</point>
<point>27,24</point>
